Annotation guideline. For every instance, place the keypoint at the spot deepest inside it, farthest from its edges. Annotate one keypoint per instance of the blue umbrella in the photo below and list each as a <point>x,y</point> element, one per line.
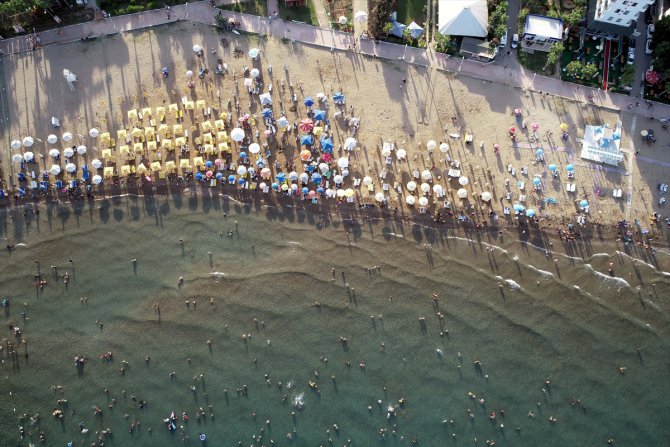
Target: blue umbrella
<point>518,207</point>
<point>319,115</point>
<point>530,213</point>
<point>310,168</point>
<point>308,101</point>
<point>537,181</point>
<point>267,113</point>
<point>198,176</point>
<point>338,97</point>
<point>281,177</point>
<point>231,178</point>
<point>305,190</point>
<point>320,190</point>
<point>208,164</point>
<point>260,162</point>
<point>243,155</point>
<point>241,181</point>
<point>539,152</point>
<point>316,178</point>
<point>307,140</point>
<point>219,175</point>
<point>552,167</point>
<point>569,168</point>
<point>326,143</point>
<point>275,185</point>
<point>583,203</point>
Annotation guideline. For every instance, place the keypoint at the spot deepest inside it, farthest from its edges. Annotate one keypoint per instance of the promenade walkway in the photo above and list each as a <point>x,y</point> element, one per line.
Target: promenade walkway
<point>202,12</point>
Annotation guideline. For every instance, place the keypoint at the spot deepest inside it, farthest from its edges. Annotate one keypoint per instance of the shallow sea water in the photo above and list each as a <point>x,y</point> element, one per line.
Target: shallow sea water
<point>266,268</point>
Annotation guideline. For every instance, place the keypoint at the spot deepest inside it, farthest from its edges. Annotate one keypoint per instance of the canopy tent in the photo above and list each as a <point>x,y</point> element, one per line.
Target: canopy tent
<point>463,18</point>
<point>415,30</point>
<point>397,29</point>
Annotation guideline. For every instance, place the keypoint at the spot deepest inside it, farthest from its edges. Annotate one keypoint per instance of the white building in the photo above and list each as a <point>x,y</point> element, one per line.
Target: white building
<point>463,18</point>
<point>541,32</point>
<point>620,12</point>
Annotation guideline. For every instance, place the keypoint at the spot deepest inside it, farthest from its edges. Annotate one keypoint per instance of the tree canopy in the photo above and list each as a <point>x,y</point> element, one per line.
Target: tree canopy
<point>661,45</point>
<point>380,11</point>
<point>10,8</point>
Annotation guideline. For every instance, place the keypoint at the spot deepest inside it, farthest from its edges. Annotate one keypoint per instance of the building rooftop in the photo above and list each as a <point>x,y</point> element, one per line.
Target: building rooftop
<point>543,26</point>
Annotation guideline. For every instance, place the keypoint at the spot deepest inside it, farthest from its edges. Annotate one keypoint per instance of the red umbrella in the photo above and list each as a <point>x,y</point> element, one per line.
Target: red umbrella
<point>327,158</point>
<point>652,76</point>
<point>306,125</point>
<point>512,129</point>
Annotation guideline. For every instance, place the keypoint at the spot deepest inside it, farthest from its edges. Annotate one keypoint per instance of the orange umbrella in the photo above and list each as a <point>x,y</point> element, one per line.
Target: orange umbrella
<point>306,125</point>
<point>305,155</point>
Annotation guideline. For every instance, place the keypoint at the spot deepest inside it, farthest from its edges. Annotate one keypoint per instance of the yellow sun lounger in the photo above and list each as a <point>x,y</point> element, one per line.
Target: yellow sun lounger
<point>318,130</point>
<point>136,132</point>
<point>138,148</point>
<point>132,115</point>
<point>224,115</point>
<point>166,143</point>
<point>174,110</point>
<point>124,149</point>
<point>125,170</point>
<point>152,146</point>
<point>163,128</point>
<point>208,148</point>
<point>146,113</point>
<point>122,135</point>
<point>223,147</point>
<point>200,104</point>
<point>207,138</point>
<point>189,105</point>
<point>178,130</point>
<point>185,163</point>
<point>150,133</point>
<point>106,154</point>
<point>222,137</point>
<point>155,166</point>
<point>206,126</point>
<point>198,162</point>
<point>220,125</point>
<point>170,166</point>
<point>181,141</point>
<point>160,113</point>
<point>141,169</point>
<point>108,172</point>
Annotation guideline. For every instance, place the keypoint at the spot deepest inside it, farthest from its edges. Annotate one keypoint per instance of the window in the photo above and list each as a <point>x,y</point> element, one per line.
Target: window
<point>610,18</point>
<point>618,20</point>
<point>626,13</point>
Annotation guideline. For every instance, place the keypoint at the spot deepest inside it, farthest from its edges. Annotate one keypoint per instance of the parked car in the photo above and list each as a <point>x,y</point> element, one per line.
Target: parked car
<point>647,47</point>
<point>631,56</point>
<point>650,31</point>
<point>503,40</point>
<point>515,40</point>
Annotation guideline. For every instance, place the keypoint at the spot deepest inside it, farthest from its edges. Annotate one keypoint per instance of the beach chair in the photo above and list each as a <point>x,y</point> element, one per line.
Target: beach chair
<point>185,164</point>
<point>522,198</point>
<point>108,172</point>
<point>106,154</point>
<point>200,104</point>
<point>170,166</point>
<point>521,185</point>
<point>43,185</point>
<point>174,110</point>
<point>220,125</point>
<point>138,148</point>
<point>122,135</point>
<point>152,145</point>
<point>146,112</point>
<point>141,169</point>
<point>59,184</point>
<point>155,166</point>
<point>125,170</point>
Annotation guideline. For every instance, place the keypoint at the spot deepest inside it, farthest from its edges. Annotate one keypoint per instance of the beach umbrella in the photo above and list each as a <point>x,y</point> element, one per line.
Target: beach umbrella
<point>463,181</point>
<point>281,177</point>
<point>209,174</point>
<point>28,141</point>
<point>486,196</point>
<point>564,127</point>
<point>197,48</point>
<point>51,139</point>
<point>644,133</point>
<point>275,186</point>
<point>530,213</point>
<point>316,178</point>
<point>255,73</point>
<point>248,82</point>
<point>367,180</point>
<point>254,148</point>
<point>96,179</point>
<point>338,179</point>
<point>327,144</point>
<point>426,175</point>
<point>386,151</point>
<point>444,148</point>
<point>425,187</point>
<point>284,187</point>
<point>304,177</point>
<point>320,190</point>
<point>265,98</point>
<point>309,101</point>
<point>652,76</point>
<point>17,158</point>
<point>243,155</point>
<point>189,73</point>
<point>518,207</point>
<point>496,146</point>
<point>537,181</point>
<point>342,20</point>
<point>410,200</point>
<point>350,143</point>
<point>209,164</point>
<point>241,181</point>
<point>423,201</point>
<point>282,122</point>
<point>319,115</point>
<point>324,168</point>
<point>552,167</point>
<point>93,133</point>
<point>583,203</point>
<point>254,53</point>
<point>70,167</point>
<point>267,113</point>
<point>535,126</point>
<point>97,164</point>
<point>340,193</point>
<point>293,176</point>
<point>266,173</point>
<point>512,129</point>
<point>237,134</point>
<point>306,125</point>
<point>379,197</point>
<point>431,145</point>
<point>68,152</point>
<point>569,168</point>
<point>401,154</point>
<point>338,98</point>
<point>231,178</point>
<point>306,140</point>
<point>81,150</point>
<point>16,144</point>
<point>462,193</point>
<point>438,190</point>
<point>539,153</point>
<point>67,136</point>
<point>305,155</point>
<point>54,153</point>
<point>411,186</point>
<point>198,176</point>
<point>327,157</point>
<point>27,156</point>
<point>343,162</point>
<point>361,16</point>
<point>219,175</point>
<point>518,111</point>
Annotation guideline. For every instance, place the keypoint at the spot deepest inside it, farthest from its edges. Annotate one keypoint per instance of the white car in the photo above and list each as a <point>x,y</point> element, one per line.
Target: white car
<point>650,31</point>
<point>515,40</point>
<point>503,40</point>
<point>631,56</point>
<point>647,47</point>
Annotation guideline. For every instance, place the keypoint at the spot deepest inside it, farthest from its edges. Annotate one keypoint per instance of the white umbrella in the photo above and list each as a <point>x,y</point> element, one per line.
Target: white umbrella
<point>255,73</point>
<point>463,181</point>
<point>323,167</point>
<point>411,186</point>
<point>426,175</point>
<point>54,153</point>
<point>282,122</point>
<point>350,143</point>
<point>379,197</point>
<point>462,193</point>
<point>431,145</point>
<point>267,99</point>
<point>189,73</point>
<point>401,154</point>
<point>16,144</point>
<point>254,52</point>
<point>340,193</point>
<point>55,170</point>
<point>17,158</point>
<point>237,134</point>
<point>343,162</point>
<point>425,187</point>
<point>304,177</point>
<point>423,201</point>
<point>367,180</point>
<point>70,167</point>
<point>248,82</point>
<point>96,179</point>
<point>438,190</point>
<point>197,48</point>
<point>68,152</point>
<point>386,151</point>
<point>97,164</point>
<point>81,150</point>
<point>444,148</point>
<point>361,16</point>
<point>345,172</point>
<point>293,176</point>
<point>254,148</point>
<point>330,193</point>
<point>67,136</point>
<point>342,20</point>
<point>486,196</point>
<point>28,141</point>
<point>93,133</point>
<point>410,200</point>
<point>28,156</point>
<point>51,139</point>
<point>338,179</point>
<point>241,170</point>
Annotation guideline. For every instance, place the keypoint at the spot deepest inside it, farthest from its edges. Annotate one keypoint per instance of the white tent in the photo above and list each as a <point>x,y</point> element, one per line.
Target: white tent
<point>415,30</point>
<point>70,78</point>
<point>463,18</point>
<point>361,16</point>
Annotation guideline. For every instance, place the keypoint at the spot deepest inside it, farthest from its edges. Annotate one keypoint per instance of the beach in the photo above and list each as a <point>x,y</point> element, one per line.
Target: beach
<point>267,319</point>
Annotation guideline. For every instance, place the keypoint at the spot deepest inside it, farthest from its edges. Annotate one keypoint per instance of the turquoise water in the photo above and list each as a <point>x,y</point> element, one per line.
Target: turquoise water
<point>266,269</point>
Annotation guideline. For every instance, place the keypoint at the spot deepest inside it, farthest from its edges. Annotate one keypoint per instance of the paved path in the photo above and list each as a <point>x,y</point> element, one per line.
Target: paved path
<point>321,13</point>
<point>203,13</point>
<point>359,5</point>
